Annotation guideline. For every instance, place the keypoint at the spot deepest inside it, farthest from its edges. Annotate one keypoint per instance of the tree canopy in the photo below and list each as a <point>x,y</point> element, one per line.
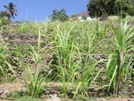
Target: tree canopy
<point>59,15</point>
<point>98,8</point>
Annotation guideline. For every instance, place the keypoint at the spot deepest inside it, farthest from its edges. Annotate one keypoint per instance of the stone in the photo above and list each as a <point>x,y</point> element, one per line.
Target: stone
<point>54,98</point>
<point>133,92</point>
<point>104,78</point>
<point>6,39</point>
<point>1,91</point>
<point>5,94</point>
<point>43,96</point>
<point>2,41</point>
<point>102,99</point>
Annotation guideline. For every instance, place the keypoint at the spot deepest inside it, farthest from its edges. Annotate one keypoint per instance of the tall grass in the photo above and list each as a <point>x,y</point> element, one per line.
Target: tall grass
<point>73,59</point>
<point>34,81</point>
<point>5,66</point>
<point>65,51</point>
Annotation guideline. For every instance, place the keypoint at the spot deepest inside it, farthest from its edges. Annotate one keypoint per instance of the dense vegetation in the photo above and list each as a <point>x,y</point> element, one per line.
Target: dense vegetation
<point>98,8</point>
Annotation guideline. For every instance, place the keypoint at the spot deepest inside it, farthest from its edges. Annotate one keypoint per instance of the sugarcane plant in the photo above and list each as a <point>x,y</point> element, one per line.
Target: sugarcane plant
<point>123,43</point>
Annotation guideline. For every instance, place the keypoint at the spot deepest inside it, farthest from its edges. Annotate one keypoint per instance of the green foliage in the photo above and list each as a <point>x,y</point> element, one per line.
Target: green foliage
<point>59,15</point>
<point>4,21</point>
<point>33,82</point>
<point>100,30</point>
<point>70,60</point>
<point>33,86</point>
<point>97,8</point>
<point>5,66</point>
<point>73,15</point>
<point>3,14</point>
<point>4,18</point>
<point>84,17</point>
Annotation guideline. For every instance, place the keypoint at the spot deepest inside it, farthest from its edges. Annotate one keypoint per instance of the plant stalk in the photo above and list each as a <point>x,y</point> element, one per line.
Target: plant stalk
<point>118,72</point>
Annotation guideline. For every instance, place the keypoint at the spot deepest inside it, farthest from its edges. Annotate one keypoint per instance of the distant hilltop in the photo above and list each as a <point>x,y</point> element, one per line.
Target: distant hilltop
<point>88,17</point>
<point>84,13</point>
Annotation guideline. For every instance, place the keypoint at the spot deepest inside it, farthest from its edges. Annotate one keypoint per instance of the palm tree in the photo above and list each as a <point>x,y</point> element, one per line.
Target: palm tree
<point>11,10</point>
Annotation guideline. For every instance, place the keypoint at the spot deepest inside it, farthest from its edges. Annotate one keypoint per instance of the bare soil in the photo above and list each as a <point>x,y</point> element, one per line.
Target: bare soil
<point>15,86</point>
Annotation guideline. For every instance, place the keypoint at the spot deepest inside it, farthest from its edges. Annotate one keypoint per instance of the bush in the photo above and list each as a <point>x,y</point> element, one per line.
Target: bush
<point>4,21</point>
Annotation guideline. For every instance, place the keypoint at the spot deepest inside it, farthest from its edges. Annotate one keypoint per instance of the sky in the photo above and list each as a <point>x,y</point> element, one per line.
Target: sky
<point>39,10</point>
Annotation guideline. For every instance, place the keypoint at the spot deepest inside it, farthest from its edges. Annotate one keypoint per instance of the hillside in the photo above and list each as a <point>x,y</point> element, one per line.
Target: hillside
<point>75,61</point>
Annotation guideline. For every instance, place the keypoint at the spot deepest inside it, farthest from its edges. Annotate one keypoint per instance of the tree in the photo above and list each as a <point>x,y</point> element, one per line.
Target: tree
<point>98,8</point>
<point>84,18</point>
<point>11,10</point>
<point>3,14</point>
<point>4,18</point>
<point>59,15</point>
<point>4,21</point>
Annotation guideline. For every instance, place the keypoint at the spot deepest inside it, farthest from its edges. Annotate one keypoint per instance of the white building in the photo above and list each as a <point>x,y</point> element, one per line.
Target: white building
<point>84,14</point>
